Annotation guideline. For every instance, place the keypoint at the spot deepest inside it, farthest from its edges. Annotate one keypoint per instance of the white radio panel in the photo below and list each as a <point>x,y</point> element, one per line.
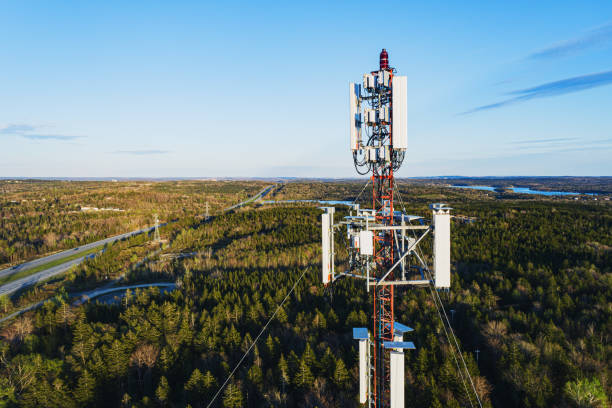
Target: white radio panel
<point>397,378</point>
<point>441,250</point>
<point>355,118</point>
<point>366,243</point>
<point>383,78</point>
<point>400,112</point>
<point>383,114</point>
<point>363,371</point>
<point>369,81</point>
<point>370,117</point>
<point>326,247</point>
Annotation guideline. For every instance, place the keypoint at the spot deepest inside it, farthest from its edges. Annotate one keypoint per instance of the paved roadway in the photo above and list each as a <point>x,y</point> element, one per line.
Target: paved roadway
<point>98,292</point>
<point>55,270</point>
<point>48,273</point>
<point>84,297</point>
<point>37,277</point>
<point>46,259</point>
<point>256,197</point>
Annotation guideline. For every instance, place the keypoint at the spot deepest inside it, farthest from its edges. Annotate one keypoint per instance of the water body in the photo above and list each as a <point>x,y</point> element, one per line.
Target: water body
<point>525,190</point>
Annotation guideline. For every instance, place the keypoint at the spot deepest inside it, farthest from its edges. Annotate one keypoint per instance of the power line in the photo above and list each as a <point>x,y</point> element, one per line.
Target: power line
<point>362,190</point>
<point>455,340</point>
<point>434,295</point>
<point>459,371</point>
<point>256,338</point>
<point>156,238</point>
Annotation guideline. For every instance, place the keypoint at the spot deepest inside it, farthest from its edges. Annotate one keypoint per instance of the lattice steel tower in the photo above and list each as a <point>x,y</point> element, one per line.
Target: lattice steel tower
<point>379,247</point>
<point>156,236</point>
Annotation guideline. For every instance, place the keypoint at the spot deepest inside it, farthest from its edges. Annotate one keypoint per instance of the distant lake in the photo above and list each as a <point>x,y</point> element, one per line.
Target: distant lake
<point>524,190</point>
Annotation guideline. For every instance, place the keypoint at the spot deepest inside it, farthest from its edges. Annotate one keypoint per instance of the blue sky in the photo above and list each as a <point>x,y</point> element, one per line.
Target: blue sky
<point>208,89</point>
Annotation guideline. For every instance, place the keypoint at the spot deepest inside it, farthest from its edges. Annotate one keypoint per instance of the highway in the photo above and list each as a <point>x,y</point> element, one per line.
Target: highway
<point>256,197</point>
<point>55,270</point>
<point>37,277</point>
<point>50,258</point>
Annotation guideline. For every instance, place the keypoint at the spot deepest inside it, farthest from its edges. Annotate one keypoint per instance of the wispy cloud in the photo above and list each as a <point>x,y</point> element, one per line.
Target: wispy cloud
<point>543,144</point>
<point>592,38</point>
<point>16,129</point>
<point>565,144</point>
<point>564,86</point>
<point>556,88</point>
<point>25,131</point>
<point>542,141</point>
<point>49,137</point>
<point>141,152</point>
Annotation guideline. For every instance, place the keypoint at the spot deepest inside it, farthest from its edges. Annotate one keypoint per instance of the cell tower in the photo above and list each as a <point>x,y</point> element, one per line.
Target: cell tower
<point>383,244</point>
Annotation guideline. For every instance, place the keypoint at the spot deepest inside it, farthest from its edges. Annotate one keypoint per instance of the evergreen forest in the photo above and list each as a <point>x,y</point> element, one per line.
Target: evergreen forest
<point>531,302</point>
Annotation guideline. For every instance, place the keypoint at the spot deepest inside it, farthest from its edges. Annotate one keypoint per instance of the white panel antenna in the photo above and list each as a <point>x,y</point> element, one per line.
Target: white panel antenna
<point>396,363</point>
<point>371,118</point>
<point>441,249</point>
<point>361,334</point>
<point>369,81</point>
<point>366,243</point>
<point>326,235</point>
<point>383,114</point>
<point>355,119</point>
<point>383,78</point>
<point>400,112</point>
<point>363,371</point>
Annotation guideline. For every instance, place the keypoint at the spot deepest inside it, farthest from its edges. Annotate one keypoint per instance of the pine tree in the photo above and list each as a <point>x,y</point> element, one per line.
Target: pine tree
<point>209,380</point>
<point>84,392</point>
<point>281,316</point>
<point>271,347</point>
<point>328,363</point>
<point>163,391</point>
<point>435,403</point>
<point>255,375</point>
<point>195,386</point>
<point>5,303</point>
<point>83,340</point>
<point>283,369</point>
<point>341,375</point>
<point>232,397</point>
<point>233,337</point>
<point>304,377</point>
<point>309,357</point>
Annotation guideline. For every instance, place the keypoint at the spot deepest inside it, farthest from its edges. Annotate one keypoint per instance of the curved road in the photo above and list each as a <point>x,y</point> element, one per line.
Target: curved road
<point>98,292</point>
<point>88,296</point>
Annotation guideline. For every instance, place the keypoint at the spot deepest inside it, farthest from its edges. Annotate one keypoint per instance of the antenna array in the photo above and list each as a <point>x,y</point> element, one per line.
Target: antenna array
<point>382,242</point>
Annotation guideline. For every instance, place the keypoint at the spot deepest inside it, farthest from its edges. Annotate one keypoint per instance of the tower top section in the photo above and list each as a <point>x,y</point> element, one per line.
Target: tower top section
<point>384,59</point>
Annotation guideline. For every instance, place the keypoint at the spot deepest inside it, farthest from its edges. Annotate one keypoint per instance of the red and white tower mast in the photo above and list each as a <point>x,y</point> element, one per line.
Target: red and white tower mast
<point>378,244</point>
